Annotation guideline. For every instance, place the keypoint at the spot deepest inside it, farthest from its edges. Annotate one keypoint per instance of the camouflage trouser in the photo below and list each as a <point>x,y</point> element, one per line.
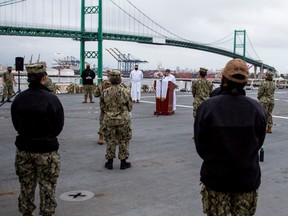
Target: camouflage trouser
<point>121,135</point>
<point>269,109</point>
<point>88,90</point>
<point>196,103</point>
<point>101,117</point>
<point>224,204</point>
<point>7,91</point>
<point>33,168</point>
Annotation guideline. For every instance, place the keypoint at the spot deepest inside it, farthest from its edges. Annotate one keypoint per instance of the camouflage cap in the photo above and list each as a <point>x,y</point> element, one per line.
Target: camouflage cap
<point>115,73</point>
<point>236,70</point>
<point>203,69</point>
<point>269,73</point>
<point>39,67</point>
<point>269,76</point>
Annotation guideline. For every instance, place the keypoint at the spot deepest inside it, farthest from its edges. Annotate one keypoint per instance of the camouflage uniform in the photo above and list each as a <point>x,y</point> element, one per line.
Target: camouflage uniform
<point>38,118</point>
<point>88,89</point>
<point>7,78</point>
<point>125,87</point>
<point>222,204</point>
<point>98,91</point>
<point>201,90</point>
<point>266,98</point>
<point>228,137</point>
<point>116,103</point>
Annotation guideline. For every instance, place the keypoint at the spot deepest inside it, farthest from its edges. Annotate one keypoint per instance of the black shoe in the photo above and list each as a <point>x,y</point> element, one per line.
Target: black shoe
<point>125,165</point>
<point>138,101</point>
<point>9,101</point>
<point>109,164</point>
<point>2,101</point>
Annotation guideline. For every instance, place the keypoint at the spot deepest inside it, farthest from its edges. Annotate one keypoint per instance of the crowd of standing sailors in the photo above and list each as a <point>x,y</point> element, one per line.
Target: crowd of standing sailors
<point>229,130</point>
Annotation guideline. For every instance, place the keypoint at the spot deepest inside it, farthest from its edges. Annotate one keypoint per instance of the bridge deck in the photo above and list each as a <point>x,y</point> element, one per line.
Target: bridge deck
<point>164,179</point>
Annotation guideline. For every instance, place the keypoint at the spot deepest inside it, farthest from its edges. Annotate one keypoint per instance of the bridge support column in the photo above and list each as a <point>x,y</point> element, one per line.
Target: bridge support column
<point>100,43</point>
<point>92,54</point>
<point>261,73</point>
<point>255,72</point>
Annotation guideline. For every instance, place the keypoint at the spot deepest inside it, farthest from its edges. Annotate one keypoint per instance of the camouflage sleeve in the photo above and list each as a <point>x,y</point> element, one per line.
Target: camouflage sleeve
<point>274,86</point>
<point>4,78</point>
<point>102,105</point>
<point>193,88</point>
<point>106,84</point>
<point>125,86</point>
<point>261,91</point>
<point>130,104</point>
<point>97,91</point>
<point>211,87</point>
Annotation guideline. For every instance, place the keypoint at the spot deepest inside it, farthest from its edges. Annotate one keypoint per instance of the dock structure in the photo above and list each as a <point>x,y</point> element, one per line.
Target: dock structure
<point>126,62</point>
<point>164,177</point>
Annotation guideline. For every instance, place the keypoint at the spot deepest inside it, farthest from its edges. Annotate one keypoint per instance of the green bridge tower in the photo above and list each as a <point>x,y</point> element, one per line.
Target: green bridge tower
<point>242,43</point>
<point>92,54</point>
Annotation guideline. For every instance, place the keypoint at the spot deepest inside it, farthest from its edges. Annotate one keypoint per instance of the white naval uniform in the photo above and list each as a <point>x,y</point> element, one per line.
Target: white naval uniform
<point>136,77</point>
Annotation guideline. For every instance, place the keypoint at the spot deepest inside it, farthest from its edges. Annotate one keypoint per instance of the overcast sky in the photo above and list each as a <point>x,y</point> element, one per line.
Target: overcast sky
<point>265,22</point>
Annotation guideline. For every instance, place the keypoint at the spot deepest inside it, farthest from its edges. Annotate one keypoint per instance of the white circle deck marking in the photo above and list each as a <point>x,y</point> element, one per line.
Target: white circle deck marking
<point>77,195</point>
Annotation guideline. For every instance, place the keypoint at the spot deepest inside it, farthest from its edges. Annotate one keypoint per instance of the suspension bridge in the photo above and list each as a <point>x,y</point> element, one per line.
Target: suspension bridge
<point>97,20</point>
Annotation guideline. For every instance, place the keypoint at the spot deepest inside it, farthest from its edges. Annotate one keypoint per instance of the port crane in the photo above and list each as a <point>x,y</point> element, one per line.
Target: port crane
<point>126,62</point>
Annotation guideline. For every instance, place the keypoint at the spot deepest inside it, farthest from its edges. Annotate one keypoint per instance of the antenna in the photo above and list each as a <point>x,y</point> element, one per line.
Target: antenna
<point>31,59</point>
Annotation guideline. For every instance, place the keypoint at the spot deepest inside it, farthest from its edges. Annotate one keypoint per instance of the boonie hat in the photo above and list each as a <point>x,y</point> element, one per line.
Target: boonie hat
<point>39,67</point>
<point>236,70</point>
<point>115,73</point>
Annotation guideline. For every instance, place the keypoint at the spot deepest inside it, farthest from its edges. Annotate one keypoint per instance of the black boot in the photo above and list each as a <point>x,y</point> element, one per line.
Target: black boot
<point>125,165</point>
<point>109,164</point>
<point>2,101</point>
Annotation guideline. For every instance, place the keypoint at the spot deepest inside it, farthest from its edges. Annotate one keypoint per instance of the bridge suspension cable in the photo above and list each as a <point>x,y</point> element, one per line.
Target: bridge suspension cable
<point>253,47</point>
<point>9,2</point>
<point>167,32</point>
<point>247,51</point>
<point>222,40</point>
<point>135,19</point>
<point>155,22</point>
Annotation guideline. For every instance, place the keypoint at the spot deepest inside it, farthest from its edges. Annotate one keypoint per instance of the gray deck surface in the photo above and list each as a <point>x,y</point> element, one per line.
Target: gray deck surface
<point>164,178</point>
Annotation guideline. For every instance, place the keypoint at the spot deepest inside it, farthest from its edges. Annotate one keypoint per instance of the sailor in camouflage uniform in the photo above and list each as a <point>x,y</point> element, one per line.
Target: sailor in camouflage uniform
<point>201,89</point>
<point>266,98</point>
<point>230,129</point>
<point>88,76</point>
<point>38,117</point>
<point>116,103</point>
<point>7,82</point>
<point>98,91</point>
